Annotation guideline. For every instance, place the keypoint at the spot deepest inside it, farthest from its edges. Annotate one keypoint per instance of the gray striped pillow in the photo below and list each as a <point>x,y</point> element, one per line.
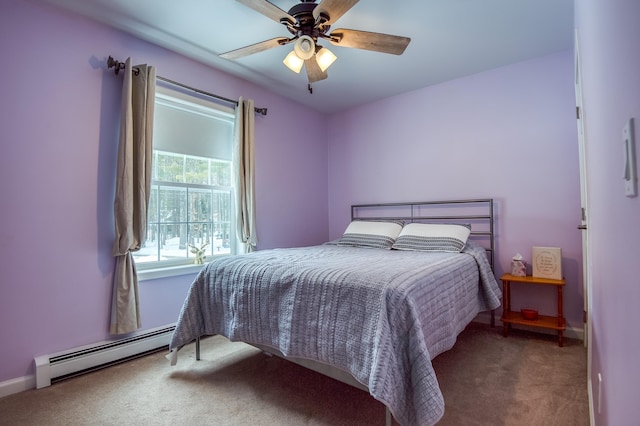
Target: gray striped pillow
<point>432,237</point>
<point>376,234</point>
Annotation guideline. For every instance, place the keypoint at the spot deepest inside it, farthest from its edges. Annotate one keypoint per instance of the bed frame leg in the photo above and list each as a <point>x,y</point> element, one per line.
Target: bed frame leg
<point>388,417</point>
<point>197,348</point>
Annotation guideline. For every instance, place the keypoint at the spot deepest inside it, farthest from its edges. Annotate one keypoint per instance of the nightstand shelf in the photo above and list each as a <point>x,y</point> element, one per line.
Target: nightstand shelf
<point>544,321</point>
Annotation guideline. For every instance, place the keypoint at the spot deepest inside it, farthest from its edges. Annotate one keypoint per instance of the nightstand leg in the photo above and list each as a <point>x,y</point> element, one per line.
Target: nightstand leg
<point>506,306</point>
<point>560,315</point>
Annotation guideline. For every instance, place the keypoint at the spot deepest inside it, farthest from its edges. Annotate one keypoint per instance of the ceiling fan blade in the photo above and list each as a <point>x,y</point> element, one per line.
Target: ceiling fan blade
<point>377,42</point>
<point>255,48</point>
<point>314,73</point>
<point>334,9</point>
<point>268,9</point>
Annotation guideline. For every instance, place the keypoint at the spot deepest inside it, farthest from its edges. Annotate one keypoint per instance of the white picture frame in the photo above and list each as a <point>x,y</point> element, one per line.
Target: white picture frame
<point>546,262</point>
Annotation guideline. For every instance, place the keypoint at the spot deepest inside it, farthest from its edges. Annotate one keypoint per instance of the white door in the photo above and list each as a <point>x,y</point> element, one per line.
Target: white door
<point>580,115</point>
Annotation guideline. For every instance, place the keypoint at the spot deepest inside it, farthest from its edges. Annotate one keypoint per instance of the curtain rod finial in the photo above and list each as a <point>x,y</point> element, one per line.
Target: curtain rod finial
<point>261,111</point>
<point>111,63</point>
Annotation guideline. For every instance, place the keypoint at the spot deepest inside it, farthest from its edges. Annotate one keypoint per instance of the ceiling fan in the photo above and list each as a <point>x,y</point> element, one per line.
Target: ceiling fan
<point>309,23</point>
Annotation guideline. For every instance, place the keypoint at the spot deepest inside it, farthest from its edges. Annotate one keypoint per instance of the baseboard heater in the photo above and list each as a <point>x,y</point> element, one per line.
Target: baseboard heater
<point>77,361</point>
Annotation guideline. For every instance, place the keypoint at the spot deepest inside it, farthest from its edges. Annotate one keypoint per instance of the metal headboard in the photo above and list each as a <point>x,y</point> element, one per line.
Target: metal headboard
<point>478,213</point>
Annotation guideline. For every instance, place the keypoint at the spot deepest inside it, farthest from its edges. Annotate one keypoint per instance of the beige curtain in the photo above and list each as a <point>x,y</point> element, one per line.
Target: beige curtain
<point>245,177</point>
<point>133,180</point>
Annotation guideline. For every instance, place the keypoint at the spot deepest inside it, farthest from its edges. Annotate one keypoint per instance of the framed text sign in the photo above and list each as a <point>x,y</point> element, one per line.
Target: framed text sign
<point>547,262</point>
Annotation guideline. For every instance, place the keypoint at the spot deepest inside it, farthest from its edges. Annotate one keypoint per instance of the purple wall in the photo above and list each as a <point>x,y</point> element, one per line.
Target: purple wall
<point>59,136</point>
<point>610,58</point>
<point>509,134</point>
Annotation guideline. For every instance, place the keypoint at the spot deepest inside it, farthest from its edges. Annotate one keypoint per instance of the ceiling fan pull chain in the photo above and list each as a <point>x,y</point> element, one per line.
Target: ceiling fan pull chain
<point>310,88</point>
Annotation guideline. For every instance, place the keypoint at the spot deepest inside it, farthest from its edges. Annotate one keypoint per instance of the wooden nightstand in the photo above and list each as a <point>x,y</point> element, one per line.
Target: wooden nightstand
<point>513,317</point>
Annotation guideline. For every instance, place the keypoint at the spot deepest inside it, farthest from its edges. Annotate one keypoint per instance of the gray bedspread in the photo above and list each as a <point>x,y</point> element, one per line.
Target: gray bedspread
<point>381,315</point>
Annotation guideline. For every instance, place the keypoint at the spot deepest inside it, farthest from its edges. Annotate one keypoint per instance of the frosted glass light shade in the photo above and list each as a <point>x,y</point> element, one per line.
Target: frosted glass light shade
<point>304,47</point>
<point>325,58</point>
<point>293,62</point>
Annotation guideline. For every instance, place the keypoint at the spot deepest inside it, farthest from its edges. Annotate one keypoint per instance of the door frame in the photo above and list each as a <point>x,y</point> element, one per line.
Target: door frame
<point>584,204</point>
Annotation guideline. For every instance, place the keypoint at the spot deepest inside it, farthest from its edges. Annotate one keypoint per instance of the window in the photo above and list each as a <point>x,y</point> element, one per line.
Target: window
<point>192,195</point>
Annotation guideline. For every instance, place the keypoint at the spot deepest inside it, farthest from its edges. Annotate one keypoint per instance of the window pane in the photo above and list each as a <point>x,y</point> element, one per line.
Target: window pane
<point>173,215</point>
<point>222,206</point>
<point>173,241</point>
<point>220,173</point>
<point>196,170</point>
<point>222,221</point>
<point>152,216</point>
<point>221,239</point>
<point>173,204</point>
<point>200,205</point>
<point>169,167</point>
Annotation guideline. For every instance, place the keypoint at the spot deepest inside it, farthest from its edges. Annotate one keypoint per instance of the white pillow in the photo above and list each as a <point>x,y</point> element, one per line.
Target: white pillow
<point>362,233</point>
<point>432,237</point>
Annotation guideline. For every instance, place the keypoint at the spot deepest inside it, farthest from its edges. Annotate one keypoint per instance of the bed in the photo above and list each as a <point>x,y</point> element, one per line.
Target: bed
<point>372,308</point>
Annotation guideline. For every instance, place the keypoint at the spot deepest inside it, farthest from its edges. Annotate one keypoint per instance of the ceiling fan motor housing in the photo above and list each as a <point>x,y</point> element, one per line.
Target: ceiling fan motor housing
<point>305,22</point>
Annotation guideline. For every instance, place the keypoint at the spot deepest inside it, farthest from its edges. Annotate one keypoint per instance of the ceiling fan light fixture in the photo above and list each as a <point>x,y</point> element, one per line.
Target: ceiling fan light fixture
<point>304,47</point>
<point>325,58</point>
<point>293,62</point>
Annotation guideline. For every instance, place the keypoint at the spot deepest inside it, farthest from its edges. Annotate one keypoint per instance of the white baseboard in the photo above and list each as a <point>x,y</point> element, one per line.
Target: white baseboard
<point>570,332</point>
<point>17,385</point>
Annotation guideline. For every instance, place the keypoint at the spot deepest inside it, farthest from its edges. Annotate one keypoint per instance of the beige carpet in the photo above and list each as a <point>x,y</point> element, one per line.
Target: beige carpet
<point>525,379</point>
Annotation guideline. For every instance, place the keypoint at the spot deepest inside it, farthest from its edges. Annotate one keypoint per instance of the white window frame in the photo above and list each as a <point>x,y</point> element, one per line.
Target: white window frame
<point>198,105</point>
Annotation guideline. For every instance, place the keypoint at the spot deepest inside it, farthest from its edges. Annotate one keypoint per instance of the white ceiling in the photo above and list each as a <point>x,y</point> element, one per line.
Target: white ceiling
<point>449,39</point>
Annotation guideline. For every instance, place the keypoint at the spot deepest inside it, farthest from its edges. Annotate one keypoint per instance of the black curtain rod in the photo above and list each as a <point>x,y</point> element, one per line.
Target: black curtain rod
<point>112,63</point>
